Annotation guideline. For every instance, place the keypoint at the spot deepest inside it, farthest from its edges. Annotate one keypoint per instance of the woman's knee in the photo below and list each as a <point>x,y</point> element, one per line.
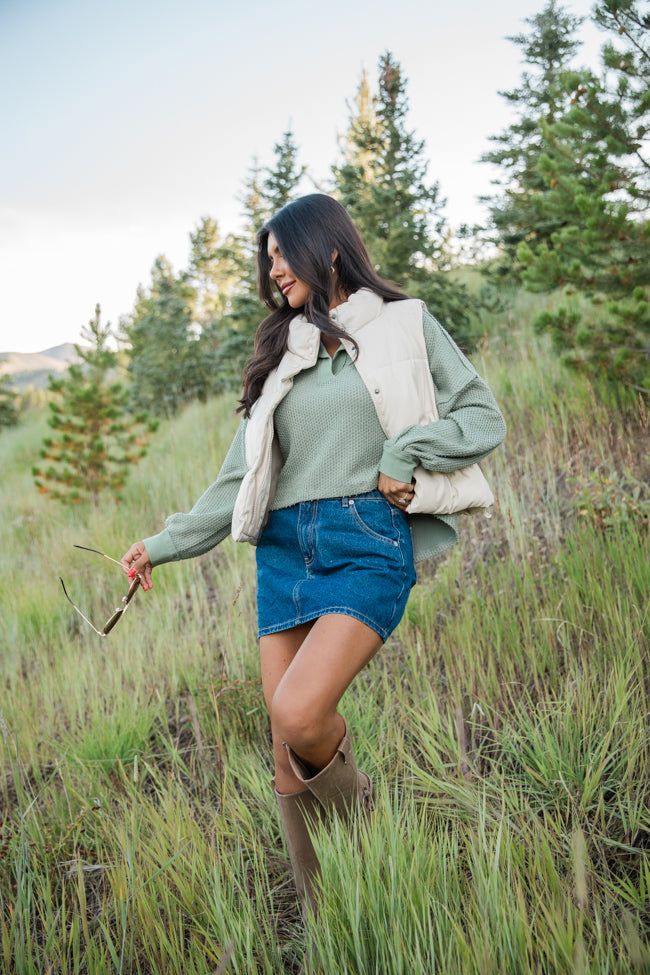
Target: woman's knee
<point>299,724</point>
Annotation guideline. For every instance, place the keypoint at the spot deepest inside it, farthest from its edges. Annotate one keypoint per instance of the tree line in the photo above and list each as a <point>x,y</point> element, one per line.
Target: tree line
<point>572,212</point>
<point>568,214</point>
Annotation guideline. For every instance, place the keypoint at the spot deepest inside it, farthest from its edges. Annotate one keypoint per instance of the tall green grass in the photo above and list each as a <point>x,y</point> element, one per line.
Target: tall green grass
<point>505,724</point>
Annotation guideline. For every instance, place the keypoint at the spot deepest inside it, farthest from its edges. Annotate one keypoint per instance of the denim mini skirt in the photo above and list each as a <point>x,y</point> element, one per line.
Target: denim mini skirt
<point>349,555</point>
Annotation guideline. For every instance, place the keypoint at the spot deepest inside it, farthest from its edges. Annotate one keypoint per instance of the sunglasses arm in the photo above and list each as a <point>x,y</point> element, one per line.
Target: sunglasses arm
<point>85,548</point>
<point>76,608</point>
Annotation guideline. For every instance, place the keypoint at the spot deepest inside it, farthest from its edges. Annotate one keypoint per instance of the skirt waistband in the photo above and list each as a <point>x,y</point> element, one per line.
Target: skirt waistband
<point>375,495</point>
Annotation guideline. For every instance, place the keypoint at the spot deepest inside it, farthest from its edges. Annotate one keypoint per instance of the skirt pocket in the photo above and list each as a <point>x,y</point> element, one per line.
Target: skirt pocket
<point>375,516</point>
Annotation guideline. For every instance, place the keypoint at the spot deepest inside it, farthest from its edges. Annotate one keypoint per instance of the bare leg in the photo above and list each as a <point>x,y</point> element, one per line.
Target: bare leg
<point>305,672</point>
<point>277,652</point>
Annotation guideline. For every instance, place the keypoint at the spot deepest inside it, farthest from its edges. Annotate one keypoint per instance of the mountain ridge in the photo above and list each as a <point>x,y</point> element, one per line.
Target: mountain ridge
<point>33,368</point>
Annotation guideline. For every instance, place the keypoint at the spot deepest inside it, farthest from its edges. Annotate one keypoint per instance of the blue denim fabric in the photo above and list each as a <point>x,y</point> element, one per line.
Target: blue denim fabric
<point>349,555</point>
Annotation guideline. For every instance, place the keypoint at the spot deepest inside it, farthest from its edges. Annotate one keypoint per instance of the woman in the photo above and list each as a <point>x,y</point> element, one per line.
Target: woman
<point>338,473</point>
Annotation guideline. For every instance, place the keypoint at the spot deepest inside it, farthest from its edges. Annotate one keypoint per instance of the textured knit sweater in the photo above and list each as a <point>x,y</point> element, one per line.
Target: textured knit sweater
<point>333,445</point>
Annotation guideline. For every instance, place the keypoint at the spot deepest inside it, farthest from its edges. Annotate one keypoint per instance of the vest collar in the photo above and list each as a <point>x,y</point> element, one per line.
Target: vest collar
<point>304,339</point>
<point>360,308</point>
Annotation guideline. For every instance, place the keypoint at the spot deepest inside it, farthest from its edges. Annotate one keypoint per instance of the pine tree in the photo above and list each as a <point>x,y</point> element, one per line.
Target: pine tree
<point>279,185</point>
<point>518,212</point>
<point>382,182</point>
<point>214,279</point>
<point>213,273</point>
<point>597,172</point>
<point>8,397</point>
<point>97,440</point>
<point>166,362</point>
<point>266,190</point>
<point>359,146</point>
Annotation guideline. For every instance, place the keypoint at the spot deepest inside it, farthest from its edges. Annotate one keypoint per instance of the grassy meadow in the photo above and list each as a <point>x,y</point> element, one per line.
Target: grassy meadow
<point>505,723</point>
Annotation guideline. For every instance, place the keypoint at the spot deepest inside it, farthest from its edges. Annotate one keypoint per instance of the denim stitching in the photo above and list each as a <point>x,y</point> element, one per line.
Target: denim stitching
<point>305,542</point>
<point>397,527</point>
<point>345,610</point>
<point>369,531</point>
<point>311,532</point>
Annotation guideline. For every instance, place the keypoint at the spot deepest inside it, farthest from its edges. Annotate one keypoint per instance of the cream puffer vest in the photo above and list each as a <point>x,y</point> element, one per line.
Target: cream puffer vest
<point>394,367</point>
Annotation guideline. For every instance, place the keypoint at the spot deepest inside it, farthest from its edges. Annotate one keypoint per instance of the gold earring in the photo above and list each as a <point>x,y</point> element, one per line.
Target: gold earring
<point>332,268</point>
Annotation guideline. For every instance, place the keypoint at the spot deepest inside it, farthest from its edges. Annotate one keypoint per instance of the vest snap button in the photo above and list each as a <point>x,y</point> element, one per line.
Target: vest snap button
<point>376,390</point>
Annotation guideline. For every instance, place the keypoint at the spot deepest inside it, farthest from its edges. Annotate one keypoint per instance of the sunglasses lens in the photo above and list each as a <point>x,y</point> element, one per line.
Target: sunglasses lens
<point>113,620</point>
<point>132,590</point>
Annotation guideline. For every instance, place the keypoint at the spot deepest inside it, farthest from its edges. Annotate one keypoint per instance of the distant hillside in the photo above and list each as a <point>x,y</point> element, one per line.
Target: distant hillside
<point>33,368</point>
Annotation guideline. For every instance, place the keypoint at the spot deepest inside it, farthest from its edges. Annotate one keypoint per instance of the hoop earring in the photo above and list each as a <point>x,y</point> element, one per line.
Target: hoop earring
<point>332,268</point>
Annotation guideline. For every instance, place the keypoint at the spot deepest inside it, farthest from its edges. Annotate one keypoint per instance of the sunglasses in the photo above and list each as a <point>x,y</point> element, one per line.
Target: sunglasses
<point>119,612</point>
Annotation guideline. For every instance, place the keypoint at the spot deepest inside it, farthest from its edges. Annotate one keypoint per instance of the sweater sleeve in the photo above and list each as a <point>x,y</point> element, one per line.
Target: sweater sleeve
<point>470,424</point>
<point>187,535</point>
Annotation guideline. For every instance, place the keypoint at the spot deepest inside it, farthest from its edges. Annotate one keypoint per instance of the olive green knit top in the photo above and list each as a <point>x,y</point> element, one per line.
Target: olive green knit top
<point>332,445</point>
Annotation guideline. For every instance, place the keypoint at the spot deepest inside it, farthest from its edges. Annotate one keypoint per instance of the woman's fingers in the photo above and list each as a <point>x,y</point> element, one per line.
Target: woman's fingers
<point>397,492</point>
<point>145,577</point>
<point>129,556</point>
<point>136,561</point>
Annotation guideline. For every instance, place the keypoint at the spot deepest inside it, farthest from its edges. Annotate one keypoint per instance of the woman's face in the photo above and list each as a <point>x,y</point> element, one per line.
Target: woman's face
<point>295,291</point>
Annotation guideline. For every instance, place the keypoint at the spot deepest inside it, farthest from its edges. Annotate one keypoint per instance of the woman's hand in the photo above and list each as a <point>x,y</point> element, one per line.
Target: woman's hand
<point>397,492</point>
<point>137,562</point>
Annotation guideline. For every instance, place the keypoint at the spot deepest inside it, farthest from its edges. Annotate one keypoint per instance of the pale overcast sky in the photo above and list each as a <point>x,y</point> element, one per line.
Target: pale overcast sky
<point>124,122</point>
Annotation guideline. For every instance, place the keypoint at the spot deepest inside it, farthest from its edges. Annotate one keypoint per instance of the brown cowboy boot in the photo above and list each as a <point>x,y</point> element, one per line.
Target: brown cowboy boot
<point>340,785</point>
<point>298,813</point>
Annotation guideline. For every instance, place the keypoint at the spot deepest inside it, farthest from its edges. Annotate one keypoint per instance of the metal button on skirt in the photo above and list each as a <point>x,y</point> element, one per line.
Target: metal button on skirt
<point>349,555</point>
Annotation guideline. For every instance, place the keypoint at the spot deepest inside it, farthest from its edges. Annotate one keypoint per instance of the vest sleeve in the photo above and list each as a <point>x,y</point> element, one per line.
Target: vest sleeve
<point>470,424</point>
<point>187,535</point>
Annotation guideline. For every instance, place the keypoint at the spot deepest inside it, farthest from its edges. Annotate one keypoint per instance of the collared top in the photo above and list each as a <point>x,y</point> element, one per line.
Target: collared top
<point>332,445</point>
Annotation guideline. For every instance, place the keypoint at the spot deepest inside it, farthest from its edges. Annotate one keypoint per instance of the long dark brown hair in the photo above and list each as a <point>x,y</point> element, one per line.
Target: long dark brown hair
<point>308,231</point>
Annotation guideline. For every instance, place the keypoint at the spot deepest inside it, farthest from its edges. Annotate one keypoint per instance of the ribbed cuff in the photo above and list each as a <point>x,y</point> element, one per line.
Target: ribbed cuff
<point>396,464</point>
<point>161,548</point>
